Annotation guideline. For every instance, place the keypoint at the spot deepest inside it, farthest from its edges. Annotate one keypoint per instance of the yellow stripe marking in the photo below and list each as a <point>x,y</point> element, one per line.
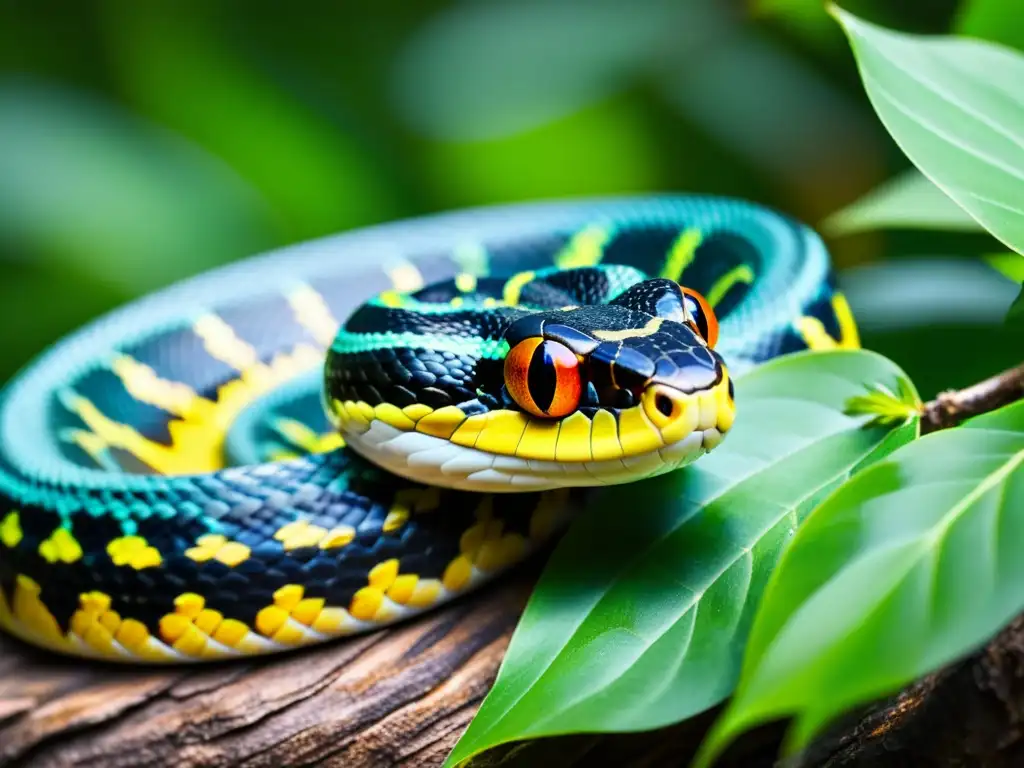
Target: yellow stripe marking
<point>214,546</point>
<point>133,551</point>
<point>365,603</point>
<point>849,336</point>
<point>649,329</point>
<point>61,546</point>
<point>465,282</point>
<point>313,314</point>
<point>338,537</point>
<point>740,274</point>
<point>299,534</point>
<point>681,254</point>
<point>197,435</point>
<point>222,343</point>
<point>585,249</point>
<point>514,286</point>
<point>10,530</point>
<point>142,383</point>
<point>457,574</point>
<point>405,277</point>
<point>397,517</point>
<point>391,299</point>
<point>817,338</point>
<point>402,588</point>
<point>301,435</point>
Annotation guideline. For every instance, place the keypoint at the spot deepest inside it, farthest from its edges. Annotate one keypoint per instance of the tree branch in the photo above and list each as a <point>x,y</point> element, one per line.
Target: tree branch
<point>951,408</point>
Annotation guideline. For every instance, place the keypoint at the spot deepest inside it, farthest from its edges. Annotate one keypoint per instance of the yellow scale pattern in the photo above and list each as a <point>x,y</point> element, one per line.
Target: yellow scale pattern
<point>813,332</point>
<point>194,631</point>
<point>639,429</point>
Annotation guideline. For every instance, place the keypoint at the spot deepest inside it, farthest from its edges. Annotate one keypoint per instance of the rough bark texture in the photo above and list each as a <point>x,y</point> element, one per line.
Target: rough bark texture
<point>402,697</point>
<point>395,698</point>
<point>952,407</point>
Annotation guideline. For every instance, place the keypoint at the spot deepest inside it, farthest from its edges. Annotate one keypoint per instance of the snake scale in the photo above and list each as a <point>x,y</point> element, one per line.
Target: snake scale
<point>264,457</point>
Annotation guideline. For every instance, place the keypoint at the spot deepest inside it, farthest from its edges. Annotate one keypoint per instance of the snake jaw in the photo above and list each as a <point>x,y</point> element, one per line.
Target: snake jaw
<point>507,451</point>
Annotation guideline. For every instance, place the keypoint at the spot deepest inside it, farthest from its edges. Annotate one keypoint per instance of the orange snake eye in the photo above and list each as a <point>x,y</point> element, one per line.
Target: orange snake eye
<point>543,377</point>
<point>701,317</point>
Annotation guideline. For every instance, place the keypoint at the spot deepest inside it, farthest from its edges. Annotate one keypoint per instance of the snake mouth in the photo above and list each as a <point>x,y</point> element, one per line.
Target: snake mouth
<point>507,451</point>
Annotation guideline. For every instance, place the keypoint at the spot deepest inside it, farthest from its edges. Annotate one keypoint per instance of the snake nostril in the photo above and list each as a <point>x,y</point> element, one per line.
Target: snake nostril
<point>664,405</point>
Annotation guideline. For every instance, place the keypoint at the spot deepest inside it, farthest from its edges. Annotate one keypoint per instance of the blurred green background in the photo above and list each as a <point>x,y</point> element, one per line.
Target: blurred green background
<point>142,142</point>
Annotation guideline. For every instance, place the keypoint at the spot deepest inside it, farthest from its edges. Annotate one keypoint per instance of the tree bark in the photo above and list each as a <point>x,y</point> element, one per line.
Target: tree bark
<point>394,698</point>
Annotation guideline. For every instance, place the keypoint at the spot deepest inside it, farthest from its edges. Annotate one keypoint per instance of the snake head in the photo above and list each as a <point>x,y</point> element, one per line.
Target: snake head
<point>649,385</point>
<point>597,394</point>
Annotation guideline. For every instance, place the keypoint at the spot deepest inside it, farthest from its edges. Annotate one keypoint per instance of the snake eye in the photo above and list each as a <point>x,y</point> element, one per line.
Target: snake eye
<point>543,377</point>
<point>701,316</point>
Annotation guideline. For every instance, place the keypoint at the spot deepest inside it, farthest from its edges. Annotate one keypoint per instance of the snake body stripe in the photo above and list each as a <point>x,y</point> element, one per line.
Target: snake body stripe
<point>172,485</point>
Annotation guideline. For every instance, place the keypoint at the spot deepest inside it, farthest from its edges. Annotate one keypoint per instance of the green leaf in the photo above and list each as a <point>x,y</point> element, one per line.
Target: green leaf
<point>907,201</point>
<point>954,106</point>
<point>1009,264</point>
<point>910,565</point>
<point>641,616</point>
<point>884,405</point>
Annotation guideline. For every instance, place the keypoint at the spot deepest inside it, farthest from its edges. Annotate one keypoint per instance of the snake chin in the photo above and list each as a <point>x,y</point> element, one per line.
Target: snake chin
<point>435,461</point>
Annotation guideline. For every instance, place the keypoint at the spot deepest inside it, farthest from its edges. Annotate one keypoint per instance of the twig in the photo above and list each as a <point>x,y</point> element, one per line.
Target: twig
<point>952,407</point>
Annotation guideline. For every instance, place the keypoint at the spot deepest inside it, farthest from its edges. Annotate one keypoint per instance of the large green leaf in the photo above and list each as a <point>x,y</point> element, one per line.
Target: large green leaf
<point>641,616</point>
<point>907,201</point>
<point>956,107</point>
<point>910,565</point>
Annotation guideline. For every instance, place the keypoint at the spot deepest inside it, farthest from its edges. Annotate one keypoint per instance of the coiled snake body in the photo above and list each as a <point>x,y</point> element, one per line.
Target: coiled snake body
<point>218,470</point>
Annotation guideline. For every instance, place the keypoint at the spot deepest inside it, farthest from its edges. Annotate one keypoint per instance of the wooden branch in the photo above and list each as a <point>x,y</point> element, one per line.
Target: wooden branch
<point>969,714</point>
<point>395,698</point>
<point>402,697</point>
<point>952,407</point>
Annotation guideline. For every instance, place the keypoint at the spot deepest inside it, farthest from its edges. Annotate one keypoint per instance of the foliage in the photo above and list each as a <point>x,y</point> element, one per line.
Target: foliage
<point>640,620</point>
<point>954,106</point>
<point>910,201</point>
<point>875,589</point>
<point>905,568</point>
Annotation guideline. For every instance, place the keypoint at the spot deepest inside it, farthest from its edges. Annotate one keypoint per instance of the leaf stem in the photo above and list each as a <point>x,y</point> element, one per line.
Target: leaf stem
<point>954,406</point>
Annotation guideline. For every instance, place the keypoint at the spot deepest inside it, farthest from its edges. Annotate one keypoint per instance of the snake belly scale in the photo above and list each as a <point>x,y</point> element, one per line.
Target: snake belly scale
<point>349,432</point>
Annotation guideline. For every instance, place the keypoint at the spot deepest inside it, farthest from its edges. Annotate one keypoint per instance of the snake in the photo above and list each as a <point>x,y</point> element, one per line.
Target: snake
<point>343,434</point>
